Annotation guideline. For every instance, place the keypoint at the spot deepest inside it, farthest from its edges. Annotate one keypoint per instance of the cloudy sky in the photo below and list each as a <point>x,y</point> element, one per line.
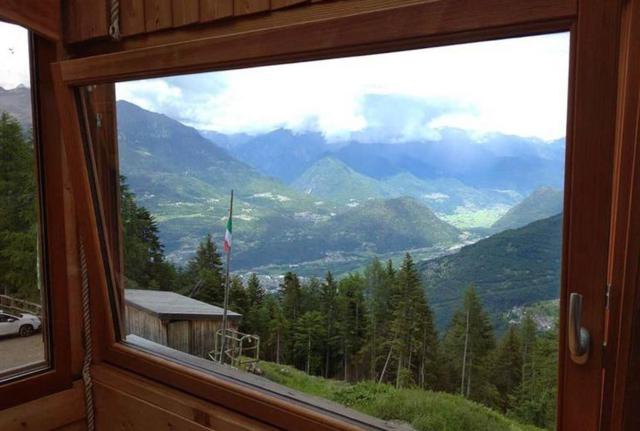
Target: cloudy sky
<point>515,86</point>
<point>14,56</point>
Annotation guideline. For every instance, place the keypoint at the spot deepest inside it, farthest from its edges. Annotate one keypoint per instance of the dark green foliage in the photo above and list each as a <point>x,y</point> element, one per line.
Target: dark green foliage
<point>506,368</point>
<point>203,274</point>
<point>144,262</point>
<point>467,345</point>
<point>307,341</point>
<point>535,399</point>
<point>512,268</point>
<point>18,197</point>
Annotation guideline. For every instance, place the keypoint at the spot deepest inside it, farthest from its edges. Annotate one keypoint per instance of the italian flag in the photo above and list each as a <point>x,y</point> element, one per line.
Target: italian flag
<point>227,237</point>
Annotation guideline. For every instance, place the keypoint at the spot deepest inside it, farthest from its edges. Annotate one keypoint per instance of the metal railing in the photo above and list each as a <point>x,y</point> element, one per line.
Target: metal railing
<point>240,350</point>
<point>20,305</point>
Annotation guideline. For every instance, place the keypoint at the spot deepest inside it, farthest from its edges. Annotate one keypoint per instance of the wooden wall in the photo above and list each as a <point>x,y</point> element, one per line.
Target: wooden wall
<point>196,337</point>
<point>145,405</point>
<point>62,411</point>
<point>88,19</point>
<point>145,325</point>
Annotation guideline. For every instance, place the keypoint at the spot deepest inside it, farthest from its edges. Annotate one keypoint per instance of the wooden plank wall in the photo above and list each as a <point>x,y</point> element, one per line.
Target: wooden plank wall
<point>125,401</point>
<point>60,411</point>
<point>88,19</point>
<point>145,325</point>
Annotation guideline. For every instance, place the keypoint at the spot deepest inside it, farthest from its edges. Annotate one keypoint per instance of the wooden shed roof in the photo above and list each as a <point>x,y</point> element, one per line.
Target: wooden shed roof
<point>173,306</point>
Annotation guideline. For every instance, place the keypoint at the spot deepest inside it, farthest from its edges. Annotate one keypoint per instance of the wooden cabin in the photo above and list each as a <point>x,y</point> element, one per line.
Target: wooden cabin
<point>175,320</point>
<point>91,376</point>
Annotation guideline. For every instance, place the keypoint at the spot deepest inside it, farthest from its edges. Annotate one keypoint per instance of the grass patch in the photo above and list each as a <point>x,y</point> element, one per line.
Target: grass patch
<point>424,410</point>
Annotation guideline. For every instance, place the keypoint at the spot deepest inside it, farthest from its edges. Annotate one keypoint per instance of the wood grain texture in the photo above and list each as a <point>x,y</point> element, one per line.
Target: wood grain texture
<point>401,27</point>
<point>622,357</point>
<point>59,314</point>
<point>76,426</point>
<point>42,16</point>
<point>132,17</point>
<point>157,15</point>
<point>587,213</point>
<point>161,398</point>
<point>279,4</point>
<point>84,20</point>
<point>247,7</point>
<point>211,10</point>
<point>50,412</point>
<point>185,12</point>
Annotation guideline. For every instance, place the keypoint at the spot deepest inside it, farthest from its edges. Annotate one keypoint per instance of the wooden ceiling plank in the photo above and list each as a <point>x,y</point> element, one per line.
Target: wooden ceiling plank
<point>157,15</point>
<point>247,7</point>
<point>211,10</point>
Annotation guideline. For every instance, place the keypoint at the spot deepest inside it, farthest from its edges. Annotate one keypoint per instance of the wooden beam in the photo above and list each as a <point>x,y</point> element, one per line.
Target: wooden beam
<point>401,27</point>
<point>41,16</point>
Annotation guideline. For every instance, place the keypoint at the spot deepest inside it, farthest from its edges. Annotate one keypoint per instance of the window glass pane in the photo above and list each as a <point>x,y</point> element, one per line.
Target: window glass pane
<point>396,227</point>
<point>22,329</point>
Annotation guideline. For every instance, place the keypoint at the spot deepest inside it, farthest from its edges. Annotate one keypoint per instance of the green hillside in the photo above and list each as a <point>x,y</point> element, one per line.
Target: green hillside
<point>542,203</point>
<point>331,179</point>
<point>512,268</point>
<point>374,227</point>
<point>423,410</point>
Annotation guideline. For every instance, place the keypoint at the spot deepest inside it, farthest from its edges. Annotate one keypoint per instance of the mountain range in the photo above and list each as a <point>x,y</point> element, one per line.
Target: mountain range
<point>17,102</point>
<point>185,179</point>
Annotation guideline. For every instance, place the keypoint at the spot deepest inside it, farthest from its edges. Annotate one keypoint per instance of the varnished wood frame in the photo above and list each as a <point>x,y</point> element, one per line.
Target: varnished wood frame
<point>591,136</point>
<point>57,375</point>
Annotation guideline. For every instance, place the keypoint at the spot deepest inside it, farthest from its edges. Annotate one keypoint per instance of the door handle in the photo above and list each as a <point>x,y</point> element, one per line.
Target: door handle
<point>579,337</point>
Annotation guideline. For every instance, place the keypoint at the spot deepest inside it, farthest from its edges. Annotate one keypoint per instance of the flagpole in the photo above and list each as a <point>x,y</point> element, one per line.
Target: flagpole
<point>226,293</point>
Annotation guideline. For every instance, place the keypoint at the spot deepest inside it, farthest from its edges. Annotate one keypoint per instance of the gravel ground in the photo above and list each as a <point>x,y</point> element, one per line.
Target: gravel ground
<point>20,351</point>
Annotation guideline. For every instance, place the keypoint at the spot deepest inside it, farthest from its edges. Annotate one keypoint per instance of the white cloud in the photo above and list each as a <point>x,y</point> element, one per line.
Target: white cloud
<point>513,86</point>
<point>14,56</point>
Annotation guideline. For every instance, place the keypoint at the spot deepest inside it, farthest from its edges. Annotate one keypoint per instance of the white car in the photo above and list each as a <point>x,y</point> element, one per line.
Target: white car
<point>18,324</point>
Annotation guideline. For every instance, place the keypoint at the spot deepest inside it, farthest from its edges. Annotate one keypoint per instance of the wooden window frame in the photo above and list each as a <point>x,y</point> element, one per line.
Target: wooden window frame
<point>591,142</point>
<point>56,375</point>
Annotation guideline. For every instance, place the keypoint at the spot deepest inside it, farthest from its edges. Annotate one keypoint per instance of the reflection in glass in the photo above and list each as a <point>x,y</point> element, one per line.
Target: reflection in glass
<point>22,342</point>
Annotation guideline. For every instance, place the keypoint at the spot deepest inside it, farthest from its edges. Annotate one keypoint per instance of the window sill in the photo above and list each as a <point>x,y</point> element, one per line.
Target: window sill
<point>251,381</point>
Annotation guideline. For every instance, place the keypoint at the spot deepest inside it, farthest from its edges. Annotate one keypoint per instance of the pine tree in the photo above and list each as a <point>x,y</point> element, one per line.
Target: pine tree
<point>204,274</point>
<point>467,343</point>
<point>413,335</point>
<point>351,322</point>
<point>378,290</point>
<point>145,266</point>
<point>506,372</point>
<point>238,298</point>
<point>307,338</point>
<point>253,321</point>
<point>18,232</point>
<point>255,291</point>
<point>328,309</point>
